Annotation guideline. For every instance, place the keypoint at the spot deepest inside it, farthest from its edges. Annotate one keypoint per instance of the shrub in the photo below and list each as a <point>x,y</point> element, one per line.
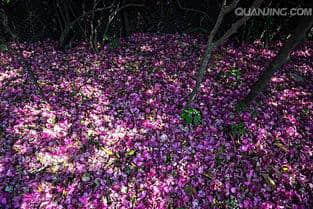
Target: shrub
<point>191,116</point>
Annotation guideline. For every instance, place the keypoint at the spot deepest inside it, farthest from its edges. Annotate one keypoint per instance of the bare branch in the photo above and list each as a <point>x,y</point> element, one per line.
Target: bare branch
<point>196,11</point>
<point>257,3</point>
<point>229,8</point>
<point>217,24</point>
<point>117,11</point>
<point>68,27</point>
<point>129,5</point>
<point>235,26</point>
<point>71,24</point>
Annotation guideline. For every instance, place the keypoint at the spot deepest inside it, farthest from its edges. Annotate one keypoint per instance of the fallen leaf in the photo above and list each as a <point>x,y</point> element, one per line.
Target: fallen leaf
<point>109,152</point>
<point>285,168</point>
<point>131,152</point>
<point>281,146</point>
<point>269,180</point>
<point>189,190</point>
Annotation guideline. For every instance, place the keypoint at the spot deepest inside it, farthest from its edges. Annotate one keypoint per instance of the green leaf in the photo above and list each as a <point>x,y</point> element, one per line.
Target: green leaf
<point>168,158</point>
<point>237,130</point>
<point>106,37</point>
<point>189,190</point>
<point>232,203</point>
<point>191,116</point>
<point>86,177</point>
<point>3,47</point>
<point>114,43</point>
<point>218,160</point>
<point>197,118</point>
<point>131,152</point>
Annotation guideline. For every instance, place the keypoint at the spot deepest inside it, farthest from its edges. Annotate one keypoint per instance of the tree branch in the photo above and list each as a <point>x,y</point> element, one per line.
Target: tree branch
<point>212,45</point>
<point>229,8</point>
<point>117,11</point>
<point>71,24</point>
<point>195,10</point>
<point>235,26</point>
<point>68,27</point>
<point>217,23</point>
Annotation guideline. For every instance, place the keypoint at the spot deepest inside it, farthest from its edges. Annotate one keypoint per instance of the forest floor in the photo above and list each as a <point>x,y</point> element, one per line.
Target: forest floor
<point>103,130</point>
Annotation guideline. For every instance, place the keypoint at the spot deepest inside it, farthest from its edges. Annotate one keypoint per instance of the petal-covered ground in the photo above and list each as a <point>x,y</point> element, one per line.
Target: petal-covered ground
<point>103,130</point>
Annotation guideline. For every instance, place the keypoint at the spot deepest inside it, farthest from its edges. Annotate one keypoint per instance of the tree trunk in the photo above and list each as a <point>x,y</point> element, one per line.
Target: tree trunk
<point>203,66</point>
<point>212,45</point>
<point>281,58</point>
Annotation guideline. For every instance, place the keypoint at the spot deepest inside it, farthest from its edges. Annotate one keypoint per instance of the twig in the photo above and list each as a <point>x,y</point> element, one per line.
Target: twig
<point>195,10</point>
<point>71,24</point>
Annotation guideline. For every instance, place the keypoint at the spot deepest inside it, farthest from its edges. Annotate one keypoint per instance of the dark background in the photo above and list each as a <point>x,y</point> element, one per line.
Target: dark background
<point>33,20</point>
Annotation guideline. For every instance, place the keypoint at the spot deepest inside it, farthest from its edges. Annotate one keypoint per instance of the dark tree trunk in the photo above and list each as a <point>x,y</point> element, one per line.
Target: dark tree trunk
<point>213,45</point>
<point>281,58</point>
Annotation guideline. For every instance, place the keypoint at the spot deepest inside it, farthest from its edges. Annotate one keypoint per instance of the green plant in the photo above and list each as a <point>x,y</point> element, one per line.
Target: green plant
<point>237,130</point>
<point>254,113</point>
<point>105,37</point>
<point>114,43</point>
<point>195,47</point>
<point>232,203</point>
<point>240,106</point>
<point>218,160</point>
<point>3,47</point>
<point>233,72</point>
<point>305,113</point>
<point>6,2</point>
<point>191,116</point>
